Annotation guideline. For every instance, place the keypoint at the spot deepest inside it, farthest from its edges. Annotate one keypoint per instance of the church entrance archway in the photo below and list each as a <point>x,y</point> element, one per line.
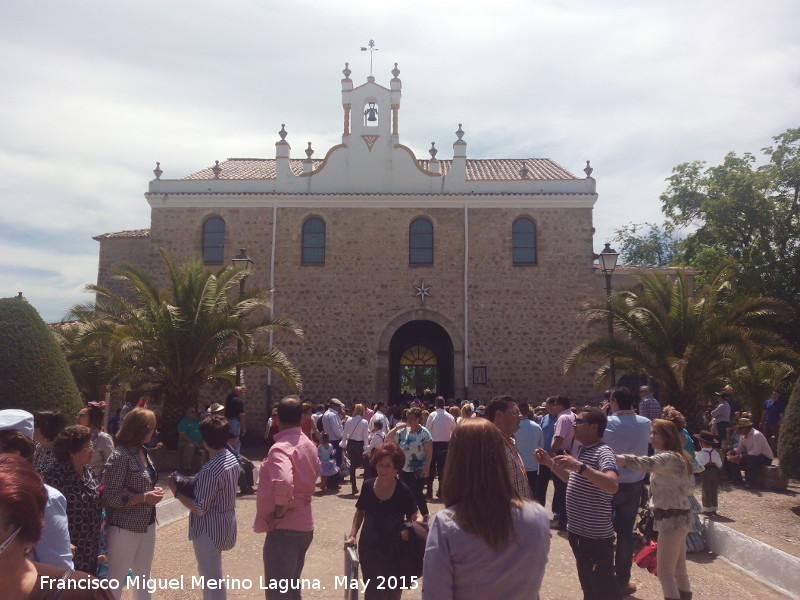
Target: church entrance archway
<point>420,362</point>
<point>420,350</point>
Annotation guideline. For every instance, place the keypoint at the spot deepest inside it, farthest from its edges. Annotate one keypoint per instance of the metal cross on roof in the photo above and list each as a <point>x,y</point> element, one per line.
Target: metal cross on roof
<point>371,49</point>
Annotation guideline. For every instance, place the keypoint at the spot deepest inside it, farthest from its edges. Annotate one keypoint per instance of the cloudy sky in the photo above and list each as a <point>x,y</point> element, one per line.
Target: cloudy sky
<point>95,92</point>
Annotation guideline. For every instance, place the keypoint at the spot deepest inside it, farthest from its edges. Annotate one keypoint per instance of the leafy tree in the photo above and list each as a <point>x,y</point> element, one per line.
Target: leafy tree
<point>747,213</point>
<point>691,343</point>
<point>89,363</point>
<point>170,342</point>
<point>789,439</point>
<point>649,245</point>
<point>33,372</point>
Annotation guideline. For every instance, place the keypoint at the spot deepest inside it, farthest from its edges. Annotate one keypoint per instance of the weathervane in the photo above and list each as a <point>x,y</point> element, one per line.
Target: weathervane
<point>371,49</point>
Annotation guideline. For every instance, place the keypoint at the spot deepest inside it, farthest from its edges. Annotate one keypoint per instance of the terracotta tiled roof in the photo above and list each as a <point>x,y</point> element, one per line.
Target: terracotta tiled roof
<point>489,169</point>
<point>128,233</point>
<point>492,169</point>
<point>249,168</point>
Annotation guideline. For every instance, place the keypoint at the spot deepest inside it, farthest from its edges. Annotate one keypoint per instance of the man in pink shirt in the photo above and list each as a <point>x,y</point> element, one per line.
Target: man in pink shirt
<point>563,438</point>
<point>283,505</point>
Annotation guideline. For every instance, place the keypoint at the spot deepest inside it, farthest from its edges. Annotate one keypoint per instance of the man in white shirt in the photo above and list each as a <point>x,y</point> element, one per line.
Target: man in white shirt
<point>382,413</point>
<point>440,424</point>
<point>332,425</point>
<point>751,452</point>
<point>722,417</point>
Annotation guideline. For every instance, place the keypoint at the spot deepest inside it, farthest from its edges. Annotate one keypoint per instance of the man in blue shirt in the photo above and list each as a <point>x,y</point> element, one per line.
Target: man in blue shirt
<point>529,438</point>
<point>548,424</point>
<point>626,433</point>
<point>771,419</point>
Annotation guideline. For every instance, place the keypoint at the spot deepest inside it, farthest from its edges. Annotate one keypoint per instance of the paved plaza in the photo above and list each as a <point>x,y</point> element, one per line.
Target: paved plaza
<point>712,578</point>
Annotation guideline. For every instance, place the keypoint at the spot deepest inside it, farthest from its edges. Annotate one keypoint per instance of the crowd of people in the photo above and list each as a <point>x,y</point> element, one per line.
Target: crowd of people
<point>490,465</point>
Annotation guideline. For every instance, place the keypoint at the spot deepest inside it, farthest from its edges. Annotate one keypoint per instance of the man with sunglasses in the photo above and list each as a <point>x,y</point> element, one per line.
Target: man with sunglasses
<point>592,481</point>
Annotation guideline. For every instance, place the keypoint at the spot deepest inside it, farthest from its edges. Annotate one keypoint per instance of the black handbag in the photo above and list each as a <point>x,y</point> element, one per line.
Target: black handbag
<point>183,484</point>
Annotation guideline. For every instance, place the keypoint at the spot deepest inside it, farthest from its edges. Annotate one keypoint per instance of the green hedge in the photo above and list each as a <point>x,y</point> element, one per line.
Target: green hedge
<point>34,373</point>
<point>789,440</point>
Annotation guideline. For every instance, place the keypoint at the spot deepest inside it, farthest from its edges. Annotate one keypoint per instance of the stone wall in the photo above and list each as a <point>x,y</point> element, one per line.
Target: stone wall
<point>116,250</point>
<point>521,318</point>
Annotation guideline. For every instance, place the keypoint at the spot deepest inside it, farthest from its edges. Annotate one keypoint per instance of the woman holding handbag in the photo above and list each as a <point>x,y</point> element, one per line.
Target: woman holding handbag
<point>672,477</point>
<point>384,505</point>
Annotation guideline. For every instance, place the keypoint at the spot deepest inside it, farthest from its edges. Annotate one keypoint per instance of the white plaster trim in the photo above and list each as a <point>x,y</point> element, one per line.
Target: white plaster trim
<point>371,201</point>
<point>767,564</point>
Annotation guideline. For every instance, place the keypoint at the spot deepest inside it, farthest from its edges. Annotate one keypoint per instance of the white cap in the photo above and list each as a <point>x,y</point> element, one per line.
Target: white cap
<point>14,418</point>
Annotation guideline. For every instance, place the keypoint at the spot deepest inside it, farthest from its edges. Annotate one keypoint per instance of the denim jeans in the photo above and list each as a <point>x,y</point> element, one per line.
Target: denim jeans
<point>560,500</point>
<point>209,566</point>
<point>284,557</point>
<point>236,429</point>
<point>595,561</point>
<point>626,506</point>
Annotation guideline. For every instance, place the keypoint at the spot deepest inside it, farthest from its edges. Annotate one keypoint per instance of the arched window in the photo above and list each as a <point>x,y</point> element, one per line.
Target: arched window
<point>314,242</point>
<point>214,241</point>
<point>420,242</point>
<point>523,240</point>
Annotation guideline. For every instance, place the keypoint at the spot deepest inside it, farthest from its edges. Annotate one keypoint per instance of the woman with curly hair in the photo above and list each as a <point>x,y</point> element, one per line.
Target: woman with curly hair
<point>671,482</point>
<point>72,476</point>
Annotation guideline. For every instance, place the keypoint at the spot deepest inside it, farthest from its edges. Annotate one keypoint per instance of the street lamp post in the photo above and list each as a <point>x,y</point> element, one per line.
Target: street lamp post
<point>608,262</point>
<point>244,263</point>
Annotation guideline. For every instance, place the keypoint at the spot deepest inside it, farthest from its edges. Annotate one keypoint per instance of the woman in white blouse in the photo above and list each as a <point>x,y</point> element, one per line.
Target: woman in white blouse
<point>671,482</point>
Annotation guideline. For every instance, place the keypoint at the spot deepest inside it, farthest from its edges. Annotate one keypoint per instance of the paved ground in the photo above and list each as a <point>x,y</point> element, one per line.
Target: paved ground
<point>713,578</point>
<point>772,517</point>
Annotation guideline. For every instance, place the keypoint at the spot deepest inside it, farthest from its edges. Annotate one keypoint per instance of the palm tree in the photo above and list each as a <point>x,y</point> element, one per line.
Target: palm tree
<point>171,342</point>
<point>690,344</point>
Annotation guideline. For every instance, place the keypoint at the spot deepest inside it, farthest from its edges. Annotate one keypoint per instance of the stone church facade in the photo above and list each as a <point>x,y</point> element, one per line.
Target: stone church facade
<point>474,267</point>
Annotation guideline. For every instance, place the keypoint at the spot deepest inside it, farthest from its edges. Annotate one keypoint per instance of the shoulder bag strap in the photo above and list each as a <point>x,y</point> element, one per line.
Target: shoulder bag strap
<point>57,591</point>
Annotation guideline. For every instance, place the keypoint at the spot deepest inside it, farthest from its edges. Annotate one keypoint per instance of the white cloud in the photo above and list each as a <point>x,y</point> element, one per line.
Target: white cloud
<point>96,92</point>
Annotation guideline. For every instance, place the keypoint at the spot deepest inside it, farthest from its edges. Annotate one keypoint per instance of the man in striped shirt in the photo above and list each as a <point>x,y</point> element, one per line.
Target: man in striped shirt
<point>591,484</point>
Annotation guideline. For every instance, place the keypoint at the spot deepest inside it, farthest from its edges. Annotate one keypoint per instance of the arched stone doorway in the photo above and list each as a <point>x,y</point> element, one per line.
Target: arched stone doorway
<point>420,361</point>
<point>420,338</point>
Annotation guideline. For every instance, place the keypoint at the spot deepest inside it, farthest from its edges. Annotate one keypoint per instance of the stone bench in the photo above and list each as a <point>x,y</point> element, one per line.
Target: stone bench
<point>771,478</point>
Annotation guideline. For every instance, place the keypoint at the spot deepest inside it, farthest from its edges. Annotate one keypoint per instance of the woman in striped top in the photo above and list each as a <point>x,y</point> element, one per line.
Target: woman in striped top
<point>212,524</point>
